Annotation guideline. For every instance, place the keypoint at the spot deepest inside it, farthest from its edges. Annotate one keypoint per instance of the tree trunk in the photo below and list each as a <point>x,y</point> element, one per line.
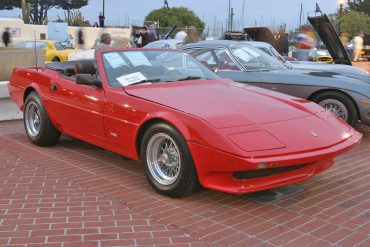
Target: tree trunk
<point>41,14</point>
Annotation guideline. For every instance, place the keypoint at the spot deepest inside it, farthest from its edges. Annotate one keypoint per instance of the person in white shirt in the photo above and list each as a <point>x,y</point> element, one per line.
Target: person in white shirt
<point>181,35</point>
<point>358,42</point>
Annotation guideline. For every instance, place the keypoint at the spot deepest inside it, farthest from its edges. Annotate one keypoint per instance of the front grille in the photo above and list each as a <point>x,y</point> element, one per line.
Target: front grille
<point>265,172</point>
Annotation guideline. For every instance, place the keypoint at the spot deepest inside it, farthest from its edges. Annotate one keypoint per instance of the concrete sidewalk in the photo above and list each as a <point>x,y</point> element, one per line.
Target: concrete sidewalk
<point>8,109</point>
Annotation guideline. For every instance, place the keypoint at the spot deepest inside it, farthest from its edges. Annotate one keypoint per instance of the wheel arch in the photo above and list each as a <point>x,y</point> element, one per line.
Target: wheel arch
<point>57,58</point>
<point>27,92</point>
<point>31,88</point>
<point>176,124</point>
<point>313,95</point>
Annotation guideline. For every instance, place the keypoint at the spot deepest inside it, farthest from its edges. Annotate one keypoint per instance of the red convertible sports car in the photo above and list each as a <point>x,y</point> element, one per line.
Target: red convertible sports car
<point>186,125</point>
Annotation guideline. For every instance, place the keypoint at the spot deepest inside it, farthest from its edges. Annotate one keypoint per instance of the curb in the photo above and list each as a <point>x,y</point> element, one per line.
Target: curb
<point>4,89</point>
<point>9,110</point>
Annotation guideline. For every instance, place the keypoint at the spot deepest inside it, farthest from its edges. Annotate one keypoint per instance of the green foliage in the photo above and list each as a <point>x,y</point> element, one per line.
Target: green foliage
<point>39,8</point>
<point>74,18</point>
<point>72,4</point>
<point>352,22</point>
<point>9,4</point>
<point>26,11</point>
<point>360,6</point>
<point>182,16</point>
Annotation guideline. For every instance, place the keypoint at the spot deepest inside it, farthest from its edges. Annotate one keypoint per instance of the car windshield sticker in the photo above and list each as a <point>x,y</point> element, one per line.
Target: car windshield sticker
<point>114,59</point>
<point>129,79</point>
<point>137,58</point>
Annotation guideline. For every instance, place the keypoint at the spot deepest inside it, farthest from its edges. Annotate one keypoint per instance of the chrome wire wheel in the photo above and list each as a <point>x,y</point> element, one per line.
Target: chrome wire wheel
<point>163,159</point>
<point>32,119</point>
<point>336,107</point>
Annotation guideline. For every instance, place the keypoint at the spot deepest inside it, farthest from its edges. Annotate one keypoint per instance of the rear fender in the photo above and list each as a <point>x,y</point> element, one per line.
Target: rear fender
<point>28,90</point>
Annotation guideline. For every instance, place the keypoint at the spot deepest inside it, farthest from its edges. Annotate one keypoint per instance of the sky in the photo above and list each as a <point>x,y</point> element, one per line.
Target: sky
<point>213,12</point>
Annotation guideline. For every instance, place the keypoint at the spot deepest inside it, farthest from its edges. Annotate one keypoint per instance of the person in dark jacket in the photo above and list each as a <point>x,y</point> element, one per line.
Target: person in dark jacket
<point>6,37</point>
<point>144,36</point>
<point>101,19</point>
<point>282,44</point>
<point>81,40</point>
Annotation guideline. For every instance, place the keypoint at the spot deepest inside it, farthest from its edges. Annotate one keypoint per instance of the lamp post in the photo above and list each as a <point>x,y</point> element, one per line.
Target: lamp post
<point>341,3</point>
<point>229,18</point>
<point>104,8</point>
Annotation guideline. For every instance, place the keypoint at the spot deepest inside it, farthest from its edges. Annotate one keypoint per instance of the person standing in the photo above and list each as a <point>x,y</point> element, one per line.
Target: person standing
<point>138,38</point>
<point>192,35</point>
<point>105,42</point>
<point>81,40</point>
<point>282,44</point>
<point>144,36</point>
<point>358,42</point>
<point>101,20</point>
<point>6,37</point>
<point>181,35</point>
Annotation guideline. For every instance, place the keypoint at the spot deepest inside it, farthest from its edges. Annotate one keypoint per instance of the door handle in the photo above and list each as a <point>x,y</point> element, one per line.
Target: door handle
<point>53,87</point>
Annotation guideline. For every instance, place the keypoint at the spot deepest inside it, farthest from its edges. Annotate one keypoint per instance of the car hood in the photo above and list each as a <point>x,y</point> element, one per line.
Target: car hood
<point>223,103</point>
<point>262,34</point>
<point>329,36</point>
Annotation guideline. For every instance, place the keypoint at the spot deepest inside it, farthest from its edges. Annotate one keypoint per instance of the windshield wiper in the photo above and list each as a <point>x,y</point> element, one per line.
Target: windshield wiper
<point>190,78</point>
<point>146,81</point>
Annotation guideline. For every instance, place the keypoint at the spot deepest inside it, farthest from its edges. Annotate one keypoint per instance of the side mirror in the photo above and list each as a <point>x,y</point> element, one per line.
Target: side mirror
<point>87,79</point>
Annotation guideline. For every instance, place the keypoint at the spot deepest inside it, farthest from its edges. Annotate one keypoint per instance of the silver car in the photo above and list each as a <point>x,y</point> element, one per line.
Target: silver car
<point>306,65</point>
<point>348,96</point>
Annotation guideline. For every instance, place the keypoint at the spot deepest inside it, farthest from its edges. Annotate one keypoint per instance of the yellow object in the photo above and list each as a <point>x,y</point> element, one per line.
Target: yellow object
<point>55,52</point>
<point>324,59</point>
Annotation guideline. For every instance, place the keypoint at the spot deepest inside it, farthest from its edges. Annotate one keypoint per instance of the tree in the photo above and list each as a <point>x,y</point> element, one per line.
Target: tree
<point>352,22</point>
<point>8,4</point>
<point>69,5</point>
<point>360,5</point>
<point>40,8</point>
<point>169,17</point>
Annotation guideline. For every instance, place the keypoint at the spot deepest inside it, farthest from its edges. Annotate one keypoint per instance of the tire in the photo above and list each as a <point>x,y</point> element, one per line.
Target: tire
<point>55,59</point>
<point>339,104</point>
<point>38,127</point>
<point>167,161</point>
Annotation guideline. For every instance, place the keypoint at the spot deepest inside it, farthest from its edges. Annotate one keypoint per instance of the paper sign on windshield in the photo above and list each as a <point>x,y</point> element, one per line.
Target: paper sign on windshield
<point>129,79</point>
<point>114,59</point>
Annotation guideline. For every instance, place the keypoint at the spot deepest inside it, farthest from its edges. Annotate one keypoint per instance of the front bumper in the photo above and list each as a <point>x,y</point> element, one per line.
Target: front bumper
<point>216,169</point>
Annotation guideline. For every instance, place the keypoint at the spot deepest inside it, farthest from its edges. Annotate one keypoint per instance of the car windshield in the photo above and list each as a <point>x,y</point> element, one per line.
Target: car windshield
<point>254,59</point>
<point>58,46</point>
<point>124,68</point>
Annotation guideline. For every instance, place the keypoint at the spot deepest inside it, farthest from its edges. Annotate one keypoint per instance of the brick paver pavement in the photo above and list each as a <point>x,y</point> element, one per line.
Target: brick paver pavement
<point>76,194</point>
<point>362,65</point>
